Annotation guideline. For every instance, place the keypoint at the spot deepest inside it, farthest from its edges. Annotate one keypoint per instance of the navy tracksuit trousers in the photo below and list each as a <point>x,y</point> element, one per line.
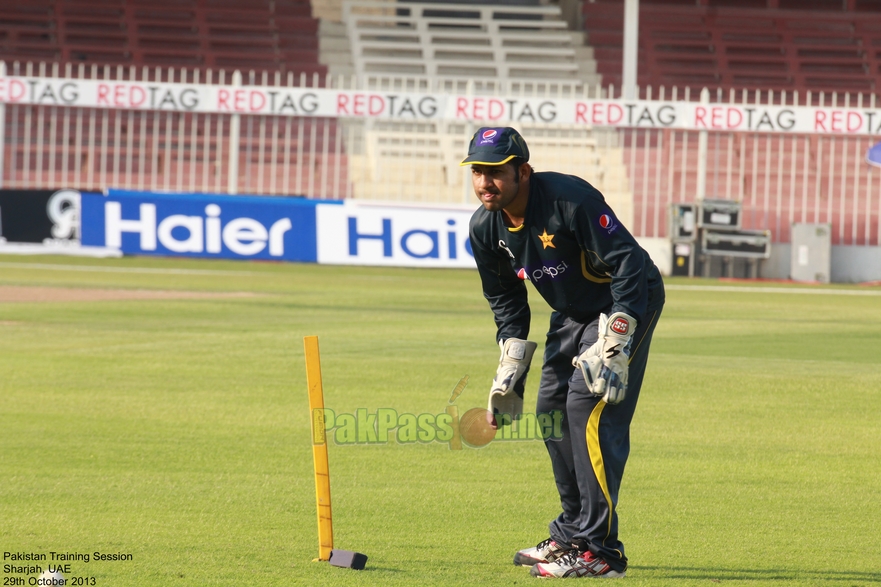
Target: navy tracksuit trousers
<point>588,461</point>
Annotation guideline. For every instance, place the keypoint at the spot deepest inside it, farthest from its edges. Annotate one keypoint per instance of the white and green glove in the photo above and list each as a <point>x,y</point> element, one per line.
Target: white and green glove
<point>515,360</point>
<point>605,364</point>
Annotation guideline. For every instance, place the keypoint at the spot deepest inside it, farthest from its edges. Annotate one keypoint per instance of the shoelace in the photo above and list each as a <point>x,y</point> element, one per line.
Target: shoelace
<point>544,544</point>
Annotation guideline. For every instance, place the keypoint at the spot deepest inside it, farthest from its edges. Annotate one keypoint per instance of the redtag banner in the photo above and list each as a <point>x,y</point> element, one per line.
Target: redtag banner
<point>413,106</point>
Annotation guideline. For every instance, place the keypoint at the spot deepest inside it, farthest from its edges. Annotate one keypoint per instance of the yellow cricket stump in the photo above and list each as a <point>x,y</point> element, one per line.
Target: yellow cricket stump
<point>319,447</point>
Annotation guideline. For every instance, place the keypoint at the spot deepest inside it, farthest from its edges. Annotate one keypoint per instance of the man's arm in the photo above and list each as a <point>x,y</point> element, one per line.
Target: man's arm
<point>613,250</point>
<point>505,292</point>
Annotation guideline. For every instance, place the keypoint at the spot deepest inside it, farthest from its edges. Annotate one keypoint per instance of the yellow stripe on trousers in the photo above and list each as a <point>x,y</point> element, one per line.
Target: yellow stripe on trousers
<point>593,443</point>
<point>596,457</point>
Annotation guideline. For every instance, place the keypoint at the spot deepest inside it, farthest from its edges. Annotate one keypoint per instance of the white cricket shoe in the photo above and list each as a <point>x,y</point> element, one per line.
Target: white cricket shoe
<point>545,551</point>
<point>576,564</point>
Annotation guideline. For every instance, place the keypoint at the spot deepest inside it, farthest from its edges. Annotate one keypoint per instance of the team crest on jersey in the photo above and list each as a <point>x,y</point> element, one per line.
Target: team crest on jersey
<point>546,240</point>
<point>607,222</point>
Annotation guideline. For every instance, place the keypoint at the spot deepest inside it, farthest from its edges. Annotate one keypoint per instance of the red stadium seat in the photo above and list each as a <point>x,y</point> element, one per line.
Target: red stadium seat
<point>803,45</point>
<point>170,40</point>
<point>270,36</point>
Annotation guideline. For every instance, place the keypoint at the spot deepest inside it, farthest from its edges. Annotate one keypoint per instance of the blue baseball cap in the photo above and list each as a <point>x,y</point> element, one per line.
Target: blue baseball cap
<point>495,146</point>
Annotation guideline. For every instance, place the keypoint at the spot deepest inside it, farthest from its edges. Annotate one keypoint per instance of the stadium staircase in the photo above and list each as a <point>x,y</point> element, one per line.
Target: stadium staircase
<point>487,48</point>
<point>473,41</point>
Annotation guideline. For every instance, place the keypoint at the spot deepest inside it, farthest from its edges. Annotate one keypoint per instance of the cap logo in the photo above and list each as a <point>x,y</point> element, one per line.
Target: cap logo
<point>495,146</point>
<point>488,137</point>
<point>620,326</point>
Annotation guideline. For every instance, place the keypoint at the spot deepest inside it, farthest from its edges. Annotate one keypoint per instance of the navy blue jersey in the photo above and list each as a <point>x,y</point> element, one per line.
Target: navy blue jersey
<point>573,249</point>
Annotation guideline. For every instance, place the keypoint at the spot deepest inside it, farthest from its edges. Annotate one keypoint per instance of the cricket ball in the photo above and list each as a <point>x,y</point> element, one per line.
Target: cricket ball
<point>475,427</point>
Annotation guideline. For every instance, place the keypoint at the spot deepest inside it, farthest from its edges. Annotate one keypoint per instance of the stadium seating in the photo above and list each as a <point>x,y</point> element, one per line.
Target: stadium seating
<point>26,29</point>
<point>420,162</point>
<point>492,48</point>
<point>170,40</point>
<point>804,45</point>
<point>814,47</point>
<point>276,35</point>
<point>471,41</point>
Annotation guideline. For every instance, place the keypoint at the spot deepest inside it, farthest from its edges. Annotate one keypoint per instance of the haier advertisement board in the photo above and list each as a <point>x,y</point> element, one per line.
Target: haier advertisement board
<point>39,216</point>
<point>201,225</point>
<point>277,228</point>
<point>367,234</point>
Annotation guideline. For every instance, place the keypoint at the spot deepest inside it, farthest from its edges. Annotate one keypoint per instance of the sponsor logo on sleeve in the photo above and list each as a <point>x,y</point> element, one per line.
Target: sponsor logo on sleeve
<point>608,223</point>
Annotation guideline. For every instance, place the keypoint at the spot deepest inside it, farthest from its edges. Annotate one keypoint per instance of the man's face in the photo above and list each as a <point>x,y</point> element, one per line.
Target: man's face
<point>496,186</point>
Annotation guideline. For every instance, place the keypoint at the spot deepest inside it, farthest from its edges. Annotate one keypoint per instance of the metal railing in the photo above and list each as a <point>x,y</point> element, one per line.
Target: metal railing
<point>778,177</point>
<point>97,148</point>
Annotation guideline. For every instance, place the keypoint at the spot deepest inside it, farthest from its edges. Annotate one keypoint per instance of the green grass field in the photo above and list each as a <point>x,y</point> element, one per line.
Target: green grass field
<point>178,431</point>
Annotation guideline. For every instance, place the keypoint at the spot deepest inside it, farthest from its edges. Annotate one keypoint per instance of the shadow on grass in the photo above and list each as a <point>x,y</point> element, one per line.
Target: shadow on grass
<point>718,574</point>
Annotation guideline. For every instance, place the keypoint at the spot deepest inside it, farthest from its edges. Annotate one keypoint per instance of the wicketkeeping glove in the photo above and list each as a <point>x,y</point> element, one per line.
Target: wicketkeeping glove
<point>590,362</point>
<point>515,360</point>
<point>605,364</point>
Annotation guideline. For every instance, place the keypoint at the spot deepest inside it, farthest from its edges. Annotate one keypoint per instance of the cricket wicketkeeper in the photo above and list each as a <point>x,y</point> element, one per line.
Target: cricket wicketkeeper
<point>606,294</point>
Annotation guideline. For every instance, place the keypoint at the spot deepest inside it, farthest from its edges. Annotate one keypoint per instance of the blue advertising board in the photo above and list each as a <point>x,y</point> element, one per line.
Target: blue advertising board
<point>202,225</point>
<point>359,233</point>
